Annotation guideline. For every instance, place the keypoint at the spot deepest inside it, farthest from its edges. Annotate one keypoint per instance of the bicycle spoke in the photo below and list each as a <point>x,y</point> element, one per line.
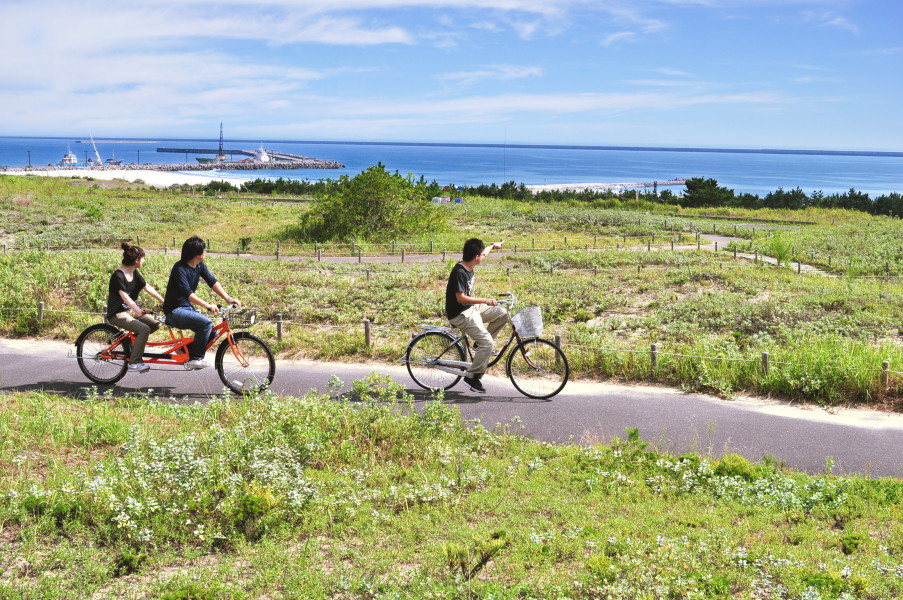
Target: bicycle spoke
<point>421,360</point>
<point>539,370</point>
<point>246,364</point>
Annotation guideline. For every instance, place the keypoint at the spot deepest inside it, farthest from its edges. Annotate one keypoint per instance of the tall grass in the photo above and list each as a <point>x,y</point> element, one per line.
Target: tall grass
<point>609,307</point>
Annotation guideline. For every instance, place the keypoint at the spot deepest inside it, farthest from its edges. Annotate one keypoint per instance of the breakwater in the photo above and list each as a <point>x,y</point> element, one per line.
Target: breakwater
<point>305,163</point>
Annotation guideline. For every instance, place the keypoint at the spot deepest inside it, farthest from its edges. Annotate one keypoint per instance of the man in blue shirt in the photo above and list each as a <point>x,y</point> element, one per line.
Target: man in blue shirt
<point>180,298</point>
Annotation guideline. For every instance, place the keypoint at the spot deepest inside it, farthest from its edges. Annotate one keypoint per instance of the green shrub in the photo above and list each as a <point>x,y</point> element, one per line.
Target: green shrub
<point>734,465</point>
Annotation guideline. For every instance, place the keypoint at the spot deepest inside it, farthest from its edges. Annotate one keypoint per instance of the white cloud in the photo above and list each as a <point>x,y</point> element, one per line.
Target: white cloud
<point>818,80</point>
<point>842,23</point>
<point>831,20</point>
<point>491,72</point>
<point>621,36</point>
<point>675,72</point>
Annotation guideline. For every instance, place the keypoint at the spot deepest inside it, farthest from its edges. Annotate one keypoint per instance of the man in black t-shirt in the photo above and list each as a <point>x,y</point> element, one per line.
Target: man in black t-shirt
<point>479,318</point>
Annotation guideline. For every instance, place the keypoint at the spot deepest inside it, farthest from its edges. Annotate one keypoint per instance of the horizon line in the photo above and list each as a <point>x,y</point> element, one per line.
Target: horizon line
<point>812,152</point>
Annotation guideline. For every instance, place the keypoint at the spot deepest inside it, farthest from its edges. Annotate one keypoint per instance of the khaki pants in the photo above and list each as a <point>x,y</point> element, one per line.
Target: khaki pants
<point>480,323</point>
<point>141,325</point>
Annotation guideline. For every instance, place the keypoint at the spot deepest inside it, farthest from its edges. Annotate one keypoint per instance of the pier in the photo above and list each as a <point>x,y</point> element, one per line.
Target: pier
<point>273,157</point>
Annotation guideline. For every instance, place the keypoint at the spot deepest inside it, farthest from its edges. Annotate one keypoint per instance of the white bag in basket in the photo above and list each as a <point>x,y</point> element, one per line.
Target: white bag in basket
<point>528,321</point>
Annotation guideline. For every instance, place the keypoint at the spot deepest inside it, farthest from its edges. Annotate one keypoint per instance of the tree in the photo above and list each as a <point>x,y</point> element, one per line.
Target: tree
<point>794,199</point>
<point>373,206</point>
<point>705,192</point>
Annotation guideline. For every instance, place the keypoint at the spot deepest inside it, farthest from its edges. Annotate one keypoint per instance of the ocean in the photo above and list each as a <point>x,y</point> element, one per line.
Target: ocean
<point>744,171</point>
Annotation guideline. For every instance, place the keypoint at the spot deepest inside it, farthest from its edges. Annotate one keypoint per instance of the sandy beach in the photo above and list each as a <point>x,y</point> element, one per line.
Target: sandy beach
<point>602,187</point>
<point>167,178</point>
<point>154,178</point>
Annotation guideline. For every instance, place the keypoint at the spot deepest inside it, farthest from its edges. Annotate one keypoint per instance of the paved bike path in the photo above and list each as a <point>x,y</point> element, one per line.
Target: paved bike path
<point>859,441</point>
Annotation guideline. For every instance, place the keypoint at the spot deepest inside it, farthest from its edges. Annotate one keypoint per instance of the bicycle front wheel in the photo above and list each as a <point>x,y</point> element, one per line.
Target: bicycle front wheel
<point>422,355</point>
<point>102,354</point>
<point>245,365</point>
<point>538,368</point>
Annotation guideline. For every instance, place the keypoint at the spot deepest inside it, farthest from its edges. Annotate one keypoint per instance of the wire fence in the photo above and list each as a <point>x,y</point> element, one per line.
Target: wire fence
<point>410,254</point>
<point>367,329</point>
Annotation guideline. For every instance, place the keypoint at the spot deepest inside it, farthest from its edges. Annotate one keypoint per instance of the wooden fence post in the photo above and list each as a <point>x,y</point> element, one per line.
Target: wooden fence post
<point>765,363</point>
<point>318,255</point>
<point>277,249</point>
<point>360,255</point>
<point>368,274</point>
<point>402,254</point>
<point>278,327</point>
<point>367,339</point>
<point>654,357</point>
<point>41,311</point>
<point>444,252</point>
<point>885,376</point>
<point>104,313</point>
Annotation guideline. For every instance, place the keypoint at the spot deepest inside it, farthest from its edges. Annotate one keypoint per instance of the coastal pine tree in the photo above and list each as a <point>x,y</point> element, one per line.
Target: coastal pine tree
<point>375,206</point>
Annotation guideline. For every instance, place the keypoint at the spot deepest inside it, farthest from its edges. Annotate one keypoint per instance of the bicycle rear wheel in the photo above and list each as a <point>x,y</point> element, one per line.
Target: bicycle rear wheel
<point>422,354</point>
<point>538,368</point>
<point>99,359</point>
<point>247,368</point>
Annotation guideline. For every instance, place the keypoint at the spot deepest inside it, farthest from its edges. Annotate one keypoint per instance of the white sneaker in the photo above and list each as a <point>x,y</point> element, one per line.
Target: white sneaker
<point>139,367</point>
<point>195,364</point>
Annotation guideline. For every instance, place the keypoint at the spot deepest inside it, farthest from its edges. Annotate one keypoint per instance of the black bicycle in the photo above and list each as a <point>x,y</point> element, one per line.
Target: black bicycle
<point>438,357</point>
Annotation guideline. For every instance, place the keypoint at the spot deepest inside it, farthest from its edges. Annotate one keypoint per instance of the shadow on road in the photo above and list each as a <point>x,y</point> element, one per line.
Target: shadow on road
<point>80,391</point>
<point>462,398</point>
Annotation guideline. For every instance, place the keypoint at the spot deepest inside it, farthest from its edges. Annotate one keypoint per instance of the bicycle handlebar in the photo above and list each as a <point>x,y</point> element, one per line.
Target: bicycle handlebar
<point>508,299</point>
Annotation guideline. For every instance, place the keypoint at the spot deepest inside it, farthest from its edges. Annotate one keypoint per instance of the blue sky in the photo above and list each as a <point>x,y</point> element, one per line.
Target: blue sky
<point>814,74</point>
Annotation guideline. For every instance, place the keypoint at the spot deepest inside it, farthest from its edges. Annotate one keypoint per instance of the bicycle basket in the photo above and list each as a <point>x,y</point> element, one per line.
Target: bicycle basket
<point>528,321</point>
<point>243,319</point>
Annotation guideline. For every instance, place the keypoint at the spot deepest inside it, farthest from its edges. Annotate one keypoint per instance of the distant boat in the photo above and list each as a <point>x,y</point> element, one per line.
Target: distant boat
<point>113,160</point>
<point>69,159</point>
<point>261,155</point>
<point>220,156</point>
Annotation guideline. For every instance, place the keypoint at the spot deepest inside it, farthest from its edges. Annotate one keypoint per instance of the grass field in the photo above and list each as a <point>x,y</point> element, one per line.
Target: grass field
<point>374,496</point>
<point>607,280</point>
<point>318,497</point>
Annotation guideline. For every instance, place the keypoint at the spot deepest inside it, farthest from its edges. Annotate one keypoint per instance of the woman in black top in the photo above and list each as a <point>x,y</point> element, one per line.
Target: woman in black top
<point>123,311</point>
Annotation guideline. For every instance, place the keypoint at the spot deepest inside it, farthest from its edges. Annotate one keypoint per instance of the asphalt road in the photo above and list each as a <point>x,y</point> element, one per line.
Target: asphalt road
<point>858,441</point>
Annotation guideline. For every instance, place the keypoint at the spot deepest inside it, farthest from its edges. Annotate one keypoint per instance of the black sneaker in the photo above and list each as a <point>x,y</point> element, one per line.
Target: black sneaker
<point>474,384</point>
